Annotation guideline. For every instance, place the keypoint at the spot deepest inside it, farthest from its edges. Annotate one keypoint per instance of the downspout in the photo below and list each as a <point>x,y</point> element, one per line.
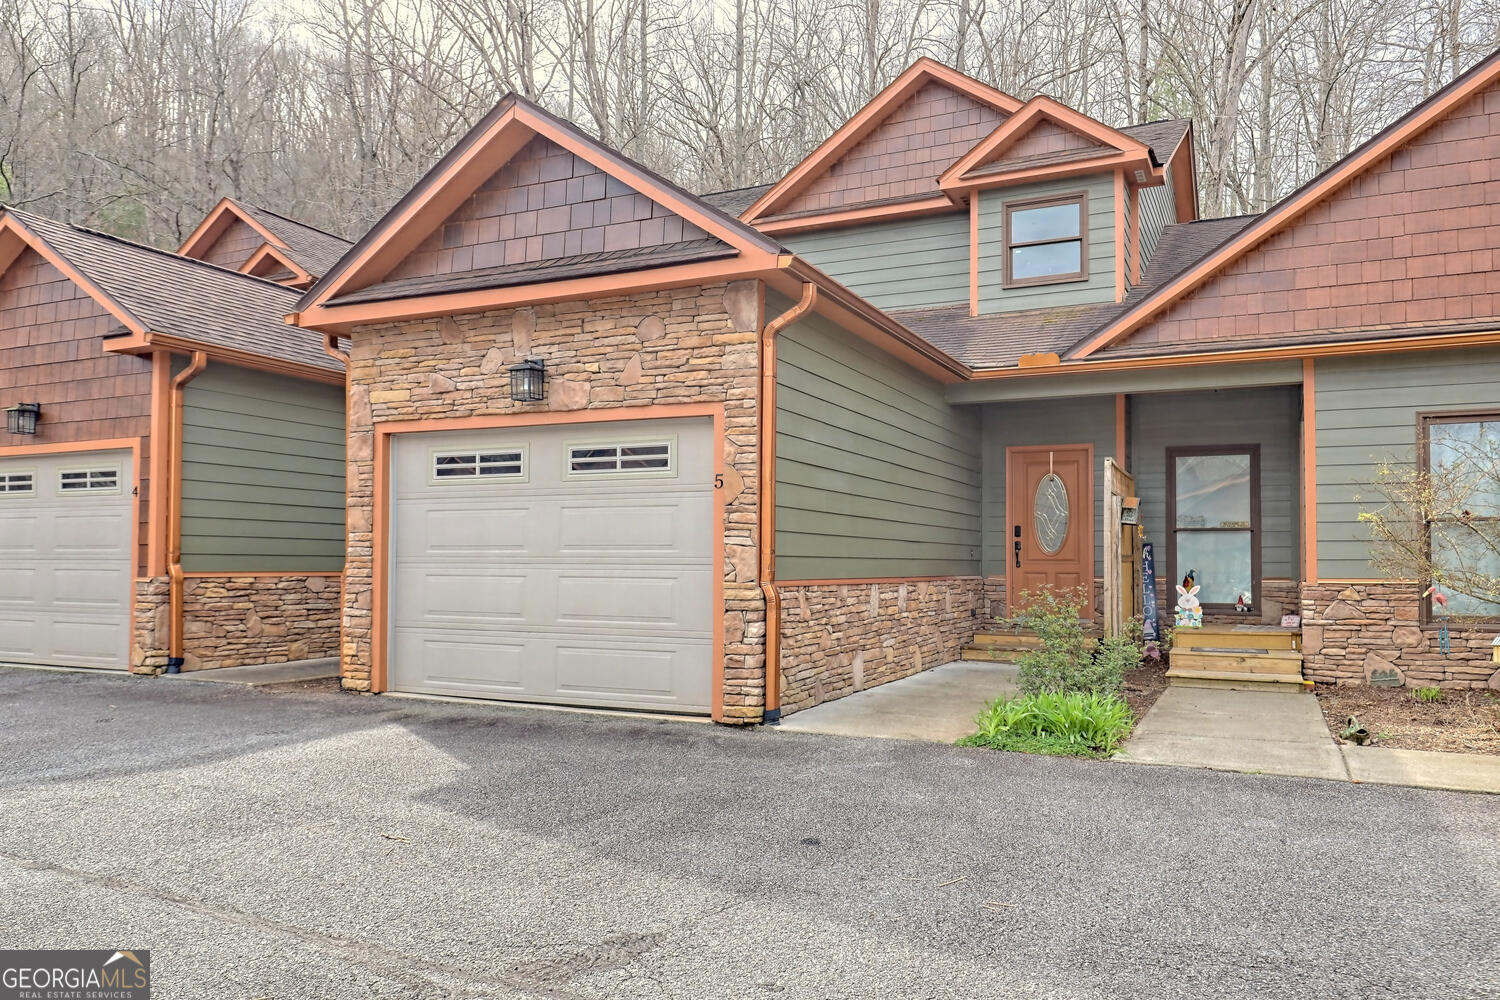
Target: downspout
<point>174,511</point>
<point>767,495</point>
<point>331,348</point>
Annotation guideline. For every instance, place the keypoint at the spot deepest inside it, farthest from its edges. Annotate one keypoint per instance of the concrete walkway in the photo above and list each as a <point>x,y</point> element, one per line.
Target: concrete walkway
<point>1283,732</point>
<point>1270,732</point>
<point>937,705</point>
<point>261,674</point>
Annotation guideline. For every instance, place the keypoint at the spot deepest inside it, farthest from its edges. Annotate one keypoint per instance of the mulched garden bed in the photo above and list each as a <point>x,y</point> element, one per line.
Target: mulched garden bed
<point>1465,721</point>
<point>1144,685</point>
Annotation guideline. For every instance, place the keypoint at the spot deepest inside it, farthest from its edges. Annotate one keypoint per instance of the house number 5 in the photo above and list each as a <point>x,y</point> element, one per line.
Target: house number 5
<point>718,480</point>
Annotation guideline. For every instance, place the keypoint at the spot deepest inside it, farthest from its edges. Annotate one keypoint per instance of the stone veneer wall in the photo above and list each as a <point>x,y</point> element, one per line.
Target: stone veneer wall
<point>838,638</point>
<point>231,620</point>
<point>685,345</point>
<point>1351,632</point>
<point>994,607</point>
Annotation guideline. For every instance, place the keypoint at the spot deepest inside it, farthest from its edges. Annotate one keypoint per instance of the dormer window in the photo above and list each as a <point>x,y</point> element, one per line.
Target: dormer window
<point>1046,241</point>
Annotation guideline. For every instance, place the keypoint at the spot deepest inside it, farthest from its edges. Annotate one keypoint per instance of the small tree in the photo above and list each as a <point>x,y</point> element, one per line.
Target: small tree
<point>1439,524</point>
<point>1066,659</point>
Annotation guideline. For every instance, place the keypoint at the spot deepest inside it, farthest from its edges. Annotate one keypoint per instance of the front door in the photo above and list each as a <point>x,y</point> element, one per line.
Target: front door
<point>1050,503</point>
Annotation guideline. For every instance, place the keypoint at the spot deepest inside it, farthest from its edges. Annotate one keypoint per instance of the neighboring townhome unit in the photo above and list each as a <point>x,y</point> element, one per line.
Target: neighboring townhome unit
<point>255,241</point>
<point>172,473</point>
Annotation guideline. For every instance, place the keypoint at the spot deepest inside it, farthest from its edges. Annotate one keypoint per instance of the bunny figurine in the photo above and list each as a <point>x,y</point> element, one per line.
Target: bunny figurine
<point>1189,611</point>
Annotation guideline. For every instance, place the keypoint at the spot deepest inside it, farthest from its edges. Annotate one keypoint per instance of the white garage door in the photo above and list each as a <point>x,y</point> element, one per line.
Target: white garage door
<point>65,534</point>
<point>569,564</point>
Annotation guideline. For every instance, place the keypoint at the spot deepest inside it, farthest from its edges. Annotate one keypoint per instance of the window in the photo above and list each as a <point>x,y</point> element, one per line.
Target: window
<point>1461,460</point>
<point>1213,514</point>
<point>88,480</point>
<point>17,483</point>
<point>472,466</point>
<point>1045,241</point>
<point>596,459</point>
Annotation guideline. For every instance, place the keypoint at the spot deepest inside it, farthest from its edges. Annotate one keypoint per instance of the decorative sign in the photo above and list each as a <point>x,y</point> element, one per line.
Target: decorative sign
<point>1151,630</point>
<point>1130,510</point>
<point>1291,621</point>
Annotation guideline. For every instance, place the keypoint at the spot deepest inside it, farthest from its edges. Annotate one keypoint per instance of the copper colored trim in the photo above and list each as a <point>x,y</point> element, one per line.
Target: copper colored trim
<point>174,504</point>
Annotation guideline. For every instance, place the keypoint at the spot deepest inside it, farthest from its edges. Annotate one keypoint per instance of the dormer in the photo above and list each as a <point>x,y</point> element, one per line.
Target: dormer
<point>944,193</point>
<point>252,240</point>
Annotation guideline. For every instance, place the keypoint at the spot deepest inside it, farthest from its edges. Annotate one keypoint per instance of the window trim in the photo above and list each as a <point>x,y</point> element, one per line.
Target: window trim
<point>433,454</point>
<point>30,474</point>
<point>88,489</point>
<point>1081,199</point>
<point>613,475</point>
<point>1197,451</point>
<point>1425,420</point>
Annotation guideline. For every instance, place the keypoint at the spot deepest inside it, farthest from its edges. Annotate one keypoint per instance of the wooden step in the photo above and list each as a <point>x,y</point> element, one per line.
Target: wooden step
<point>1006,640</point>
<point>1243,661</point>
<point>991,654</point>
<point>1237,636</point>
<point>1237,681</point>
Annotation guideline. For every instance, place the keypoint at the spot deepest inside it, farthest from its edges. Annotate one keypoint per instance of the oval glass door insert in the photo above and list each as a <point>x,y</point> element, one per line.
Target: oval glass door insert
<point>1049,515</point>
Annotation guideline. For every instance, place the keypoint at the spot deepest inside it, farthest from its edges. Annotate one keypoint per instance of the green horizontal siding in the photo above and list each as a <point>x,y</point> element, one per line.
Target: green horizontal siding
<point>1087,420</point>
<point>1158,209</point>
<point>1270,418</point>
<point>1100,285</point>
<point>1367,414</point>
<point>262,473</point>
<point>906,264</point>
<point>875,474</point>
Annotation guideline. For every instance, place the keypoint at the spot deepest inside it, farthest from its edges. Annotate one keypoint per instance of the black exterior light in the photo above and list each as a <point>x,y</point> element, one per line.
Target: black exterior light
<point>22,418</point>
<point>528,381</point>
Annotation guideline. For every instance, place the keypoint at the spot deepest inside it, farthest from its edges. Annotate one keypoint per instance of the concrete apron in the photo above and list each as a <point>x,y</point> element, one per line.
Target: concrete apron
<point>258,674</point>
<point>937,705</point>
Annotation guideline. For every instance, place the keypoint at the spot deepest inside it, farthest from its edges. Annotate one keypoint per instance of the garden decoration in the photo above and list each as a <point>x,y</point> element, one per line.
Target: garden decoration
<point>1189,611</point>
<point>1439,601</point>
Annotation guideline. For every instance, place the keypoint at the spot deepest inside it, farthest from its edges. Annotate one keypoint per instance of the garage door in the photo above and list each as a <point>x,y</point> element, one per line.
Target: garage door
<point>65,530</point>
<point>569,564</point>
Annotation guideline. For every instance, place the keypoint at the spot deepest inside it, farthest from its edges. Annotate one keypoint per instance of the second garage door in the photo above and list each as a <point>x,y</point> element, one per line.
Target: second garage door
<point>65,561</point>
<point>569,564</point>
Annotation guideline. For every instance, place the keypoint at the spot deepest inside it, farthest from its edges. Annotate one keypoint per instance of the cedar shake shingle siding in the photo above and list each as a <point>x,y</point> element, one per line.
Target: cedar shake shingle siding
<point>1046,142</point>
<point>51,353</point>
<point>233,247</point>
<point>904,155</point>
<point>1413,242</point>
<point>544,204</point>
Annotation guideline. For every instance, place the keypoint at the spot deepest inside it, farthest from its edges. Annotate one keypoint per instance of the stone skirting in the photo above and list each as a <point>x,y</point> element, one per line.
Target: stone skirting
<point>232,620</point>
<point>1353,633</point>
<point>838,638</point>
<point>994,607</point>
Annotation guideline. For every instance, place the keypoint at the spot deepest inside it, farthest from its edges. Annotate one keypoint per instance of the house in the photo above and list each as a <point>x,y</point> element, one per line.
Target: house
<point>252,240</point>
<point>172,475</point>
<point>614,444</point>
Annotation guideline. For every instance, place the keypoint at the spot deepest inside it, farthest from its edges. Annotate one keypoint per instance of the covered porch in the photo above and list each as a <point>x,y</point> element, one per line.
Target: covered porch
<point>1206,465</point>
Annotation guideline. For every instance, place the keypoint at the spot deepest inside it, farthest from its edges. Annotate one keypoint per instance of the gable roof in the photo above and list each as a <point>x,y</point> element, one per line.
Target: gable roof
<point>312,250</point>
<point>1104,147</point>
<point>1287,211</point>
<point>350,291</point>
<point>169,301</point>
<point>736,200</point>
<point>817,163</point>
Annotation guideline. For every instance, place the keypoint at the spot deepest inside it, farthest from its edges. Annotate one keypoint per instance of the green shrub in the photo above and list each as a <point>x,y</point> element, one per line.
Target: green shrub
<point>1428,695</point>
<point>1072,723</point>
<point>1066,659</point>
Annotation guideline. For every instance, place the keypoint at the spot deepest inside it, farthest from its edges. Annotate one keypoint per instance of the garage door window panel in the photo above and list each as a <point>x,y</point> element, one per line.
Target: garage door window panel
<point>88,481</point>
<point>501,462</point>
<point>17,484</point>
<point>615,459</point>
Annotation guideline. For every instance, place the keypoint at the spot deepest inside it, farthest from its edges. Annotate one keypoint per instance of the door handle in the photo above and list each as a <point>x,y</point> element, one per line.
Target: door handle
<point>1018,553</point>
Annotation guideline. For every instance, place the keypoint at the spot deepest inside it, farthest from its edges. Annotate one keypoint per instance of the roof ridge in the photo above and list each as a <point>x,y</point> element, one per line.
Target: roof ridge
<point>287,218</point>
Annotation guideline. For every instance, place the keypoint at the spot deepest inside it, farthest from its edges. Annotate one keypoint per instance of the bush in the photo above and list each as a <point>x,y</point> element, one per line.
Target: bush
<point>1072,724</point>
<point>1064,660</point>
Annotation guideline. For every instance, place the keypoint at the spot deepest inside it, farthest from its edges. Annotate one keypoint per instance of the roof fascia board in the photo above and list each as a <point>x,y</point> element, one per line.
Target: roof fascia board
<point>851,216</point>
<point>341,318</point>
<point>867,119</point>
<point>214,224</point>
<point>10,224</point>
<point>1161,379</point>
<point>1295,205</point>
<point>1010,131</point>
<point>149,341</point>
<point>1183,168</point>
<point>267,251</point>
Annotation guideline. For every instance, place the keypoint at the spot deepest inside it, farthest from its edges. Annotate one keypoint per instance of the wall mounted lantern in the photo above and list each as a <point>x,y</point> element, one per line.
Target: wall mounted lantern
<point>528,381</point>
<point>22,418</point>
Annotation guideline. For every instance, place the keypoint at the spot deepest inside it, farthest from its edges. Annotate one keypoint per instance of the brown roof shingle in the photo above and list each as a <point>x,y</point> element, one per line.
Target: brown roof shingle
<point>314,250</point>
<point>180,297</point>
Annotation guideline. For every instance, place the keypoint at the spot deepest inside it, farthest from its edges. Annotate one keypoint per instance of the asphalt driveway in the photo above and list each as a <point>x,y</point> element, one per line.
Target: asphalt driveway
<point>323,846</point>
